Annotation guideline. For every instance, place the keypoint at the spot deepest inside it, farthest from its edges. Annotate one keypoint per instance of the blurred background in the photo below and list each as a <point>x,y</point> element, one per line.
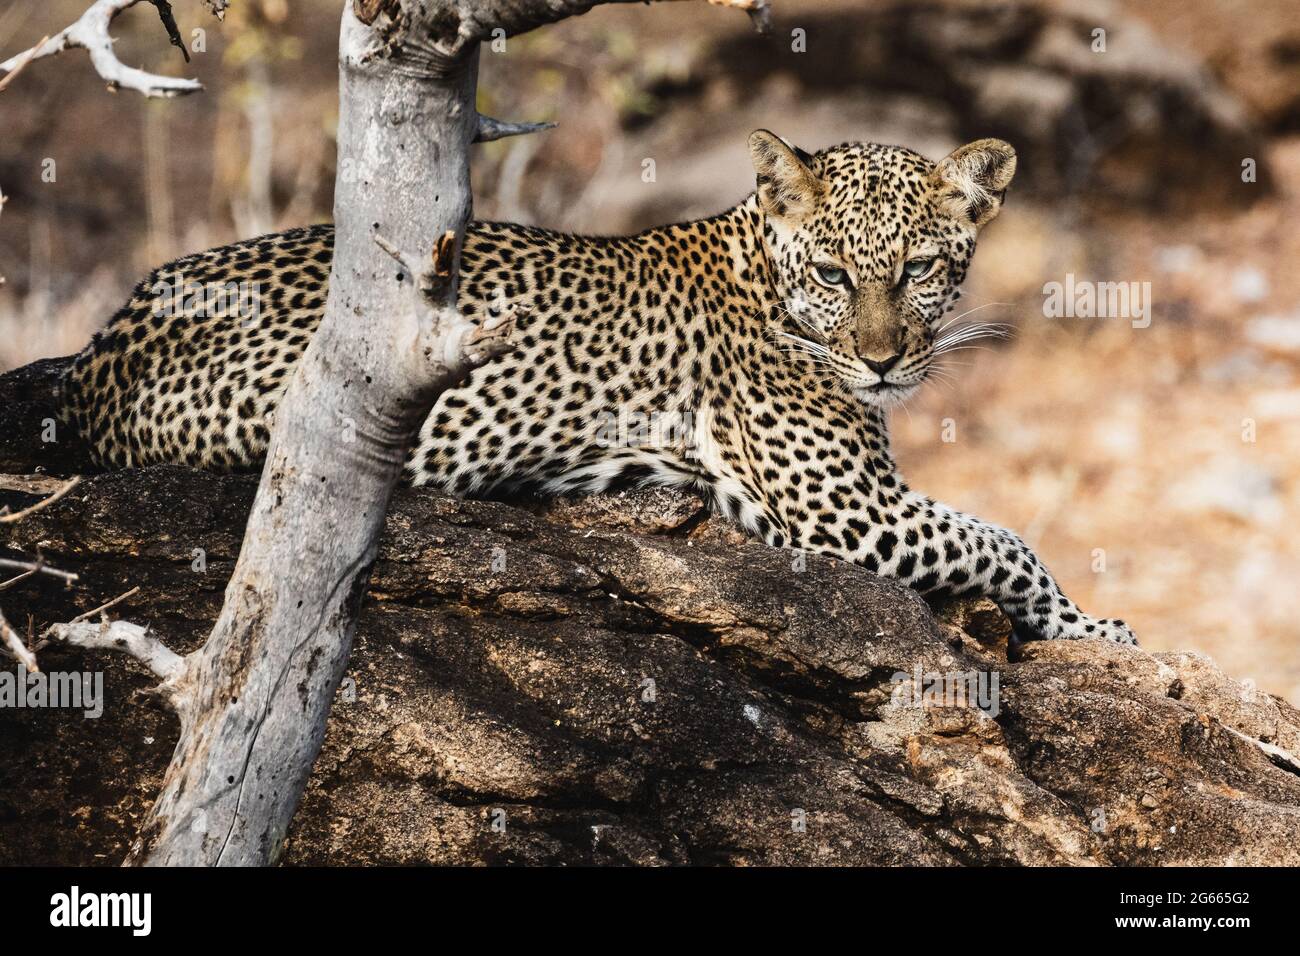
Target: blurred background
<point>1156,469</point>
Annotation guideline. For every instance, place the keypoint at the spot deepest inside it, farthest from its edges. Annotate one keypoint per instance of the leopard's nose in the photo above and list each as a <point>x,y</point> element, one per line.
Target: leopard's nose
<point>880,367</point>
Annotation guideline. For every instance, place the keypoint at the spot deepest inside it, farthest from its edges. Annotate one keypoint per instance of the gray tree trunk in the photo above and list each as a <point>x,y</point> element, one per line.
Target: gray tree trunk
<point>253,701</point>
<point>259,691</point>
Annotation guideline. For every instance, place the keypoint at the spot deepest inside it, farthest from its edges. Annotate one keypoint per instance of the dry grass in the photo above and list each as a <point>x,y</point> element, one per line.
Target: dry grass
<point>35,325</point>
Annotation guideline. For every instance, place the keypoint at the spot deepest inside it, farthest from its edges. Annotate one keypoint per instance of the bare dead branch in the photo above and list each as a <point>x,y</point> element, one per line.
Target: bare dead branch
<point>105,606</point>
<point>117,635</point>
<point>37,566</point>
<point>6,518</point>
<point>466,344</point>
<point>132,639</point>
<point>22,65</point>
<point>12,641</point>
<point>19,579</point>
<point>169,24</point>
<point>490,129</point>
<point>90,33</point>
<point>31,484</point>
<point>431,281</point>
<point>14,644</point>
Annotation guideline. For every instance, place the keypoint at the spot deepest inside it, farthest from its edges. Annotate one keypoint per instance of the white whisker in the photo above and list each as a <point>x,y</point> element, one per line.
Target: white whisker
<point>962,315</point>
<point>962,348</point>
<point>990,330</point>
<point>806,343</point>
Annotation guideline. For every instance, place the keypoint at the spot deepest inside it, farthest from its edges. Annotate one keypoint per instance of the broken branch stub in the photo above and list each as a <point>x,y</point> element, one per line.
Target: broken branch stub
<point>137,642</point>
<point>90,33</point>
<point>490,130</point>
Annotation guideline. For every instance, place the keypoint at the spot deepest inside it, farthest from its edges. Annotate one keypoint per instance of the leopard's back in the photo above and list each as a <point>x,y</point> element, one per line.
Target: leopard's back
<point>604,329</point>
<point>188,369</point>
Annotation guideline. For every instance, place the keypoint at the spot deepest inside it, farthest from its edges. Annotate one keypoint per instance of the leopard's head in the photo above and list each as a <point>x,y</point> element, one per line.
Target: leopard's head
<point>868,245</point>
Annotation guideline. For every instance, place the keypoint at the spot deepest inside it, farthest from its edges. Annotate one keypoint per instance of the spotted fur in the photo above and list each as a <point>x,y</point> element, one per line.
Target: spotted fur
<point>750,356</point>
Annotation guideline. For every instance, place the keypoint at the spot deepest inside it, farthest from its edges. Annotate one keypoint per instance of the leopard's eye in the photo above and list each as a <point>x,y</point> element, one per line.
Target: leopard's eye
<point>831,275</point>
<point>918,269</point>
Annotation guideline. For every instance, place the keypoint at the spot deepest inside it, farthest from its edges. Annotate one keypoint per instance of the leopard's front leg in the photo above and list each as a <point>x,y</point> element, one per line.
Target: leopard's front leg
<point>932,548</point>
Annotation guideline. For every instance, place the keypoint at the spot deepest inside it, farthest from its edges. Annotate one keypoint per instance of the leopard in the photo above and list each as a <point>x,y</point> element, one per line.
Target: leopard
<point>752,357</point>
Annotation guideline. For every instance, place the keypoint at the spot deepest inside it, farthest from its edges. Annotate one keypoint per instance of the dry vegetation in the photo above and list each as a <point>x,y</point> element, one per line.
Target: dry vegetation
<point>1085,434</point>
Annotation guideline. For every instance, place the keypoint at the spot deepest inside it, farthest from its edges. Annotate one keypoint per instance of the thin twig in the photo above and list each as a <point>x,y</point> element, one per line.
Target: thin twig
<point>19,515</point>
<point>393,251</point>
<point>169,24</point>
<point>40,566</point>
<point>6,585</point>
<point>16,647</point>
<point>27,58</point>
<point>105,606</point>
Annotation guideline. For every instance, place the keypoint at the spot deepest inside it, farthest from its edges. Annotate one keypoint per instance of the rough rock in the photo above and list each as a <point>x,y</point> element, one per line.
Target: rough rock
<point>31,437</point>
<point>626,680</point>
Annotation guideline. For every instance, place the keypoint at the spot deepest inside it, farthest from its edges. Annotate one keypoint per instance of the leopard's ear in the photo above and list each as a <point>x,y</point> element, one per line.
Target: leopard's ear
<point>787,188</point>
<point>971,180</point>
